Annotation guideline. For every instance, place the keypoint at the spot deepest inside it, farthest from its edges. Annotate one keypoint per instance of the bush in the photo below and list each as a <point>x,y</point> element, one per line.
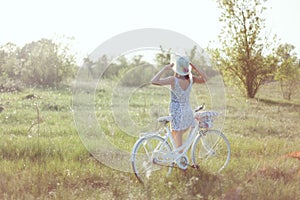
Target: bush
<point>138,76</point>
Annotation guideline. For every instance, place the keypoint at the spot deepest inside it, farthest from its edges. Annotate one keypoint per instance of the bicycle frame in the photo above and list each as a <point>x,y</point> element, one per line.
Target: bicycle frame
<point>176,153</point>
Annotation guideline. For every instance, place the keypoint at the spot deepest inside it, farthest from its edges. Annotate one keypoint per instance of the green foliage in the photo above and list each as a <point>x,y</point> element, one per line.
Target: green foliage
<point>200,58</point>
<point>242,59</point>
<point>138,76</point>
<point>288,70</point>
<point>135,72</point>
<point>96,69</point>
<point>39,64</point>
<point>10,68</point>
<point>132,72</point>
<point>45,65</point>
<point>164,57</point>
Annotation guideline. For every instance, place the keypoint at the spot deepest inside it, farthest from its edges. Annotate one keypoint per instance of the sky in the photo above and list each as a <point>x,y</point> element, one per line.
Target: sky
<point>91,22</point>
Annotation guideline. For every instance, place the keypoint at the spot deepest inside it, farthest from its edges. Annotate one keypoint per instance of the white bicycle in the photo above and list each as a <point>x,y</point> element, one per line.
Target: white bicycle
<point>155,154</point>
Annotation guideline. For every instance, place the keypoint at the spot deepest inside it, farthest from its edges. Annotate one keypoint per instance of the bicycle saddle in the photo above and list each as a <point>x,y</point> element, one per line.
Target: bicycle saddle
<point>165,119</point>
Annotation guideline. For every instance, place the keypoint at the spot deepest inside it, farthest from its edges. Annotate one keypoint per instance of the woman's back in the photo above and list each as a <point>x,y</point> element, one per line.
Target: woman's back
<point>181,90</point>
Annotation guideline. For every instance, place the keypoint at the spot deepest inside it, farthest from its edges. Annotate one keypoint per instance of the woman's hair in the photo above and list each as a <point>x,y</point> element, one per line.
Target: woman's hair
<point>187,76</point>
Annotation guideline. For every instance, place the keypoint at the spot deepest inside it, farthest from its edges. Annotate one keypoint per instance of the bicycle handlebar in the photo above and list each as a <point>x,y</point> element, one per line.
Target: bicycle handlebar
<point>201,107</point>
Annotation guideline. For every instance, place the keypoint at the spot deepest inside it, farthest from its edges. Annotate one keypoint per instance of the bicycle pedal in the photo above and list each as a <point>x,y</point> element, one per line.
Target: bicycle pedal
<point>195,166</point>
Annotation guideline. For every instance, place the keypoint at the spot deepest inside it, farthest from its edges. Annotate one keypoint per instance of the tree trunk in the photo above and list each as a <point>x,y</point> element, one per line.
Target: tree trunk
<point>250,89</point>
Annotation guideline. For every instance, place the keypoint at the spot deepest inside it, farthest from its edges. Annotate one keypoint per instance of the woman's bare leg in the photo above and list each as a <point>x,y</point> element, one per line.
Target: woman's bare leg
<point>178,135</point>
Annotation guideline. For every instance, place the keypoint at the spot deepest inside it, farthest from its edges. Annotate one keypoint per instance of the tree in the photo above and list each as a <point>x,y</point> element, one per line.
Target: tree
<point>288,71</point>
<point>97,69</point>
<point>45,63</point>
<point>10,67</point>
<point>41,63</point>
<point>242,58</point>
<point>163,58</point>
<point>112,68</point>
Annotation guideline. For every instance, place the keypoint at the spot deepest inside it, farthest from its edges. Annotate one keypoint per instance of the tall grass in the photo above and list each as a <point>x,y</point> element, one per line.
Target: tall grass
<point>51,161</point>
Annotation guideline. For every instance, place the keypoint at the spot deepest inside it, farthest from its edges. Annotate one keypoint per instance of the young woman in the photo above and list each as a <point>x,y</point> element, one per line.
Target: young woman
<point>181,84</point>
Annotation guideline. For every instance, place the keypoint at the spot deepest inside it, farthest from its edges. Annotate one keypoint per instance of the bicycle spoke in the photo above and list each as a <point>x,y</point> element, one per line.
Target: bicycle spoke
<point>211,151</point>
<point>144,156</point>
<point>214,146</point>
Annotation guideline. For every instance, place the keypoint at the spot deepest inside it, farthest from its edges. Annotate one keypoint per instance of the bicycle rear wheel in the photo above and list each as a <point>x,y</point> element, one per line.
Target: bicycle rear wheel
<point>211,151</point>
<point>146,159</point>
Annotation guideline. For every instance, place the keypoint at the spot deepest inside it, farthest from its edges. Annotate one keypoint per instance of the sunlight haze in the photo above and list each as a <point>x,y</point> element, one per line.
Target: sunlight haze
<point>92,22</point>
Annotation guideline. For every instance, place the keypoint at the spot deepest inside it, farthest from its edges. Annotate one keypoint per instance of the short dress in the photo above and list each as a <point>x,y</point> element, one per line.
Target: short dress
<point>180,109</point>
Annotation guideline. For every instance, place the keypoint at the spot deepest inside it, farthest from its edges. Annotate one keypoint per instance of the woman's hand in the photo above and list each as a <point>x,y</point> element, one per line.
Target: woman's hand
<point>195,68</point>
<point>202,77</point>
<point>169,66</point>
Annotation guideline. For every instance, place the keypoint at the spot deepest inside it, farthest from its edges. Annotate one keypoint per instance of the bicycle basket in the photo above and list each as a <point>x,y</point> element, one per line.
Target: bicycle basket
<point>205,118</point>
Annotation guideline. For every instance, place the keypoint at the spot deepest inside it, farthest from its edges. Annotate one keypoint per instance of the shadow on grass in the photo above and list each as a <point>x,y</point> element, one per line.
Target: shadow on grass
<point>190,184</point>
<point>202,184</point>
<point>279,103</point>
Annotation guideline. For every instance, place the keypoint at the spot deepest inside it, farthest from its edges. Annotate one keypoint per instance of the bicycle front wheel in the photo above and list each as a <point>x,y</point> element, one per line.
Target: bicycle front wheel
<point>149,158</point>
<point>211,151</point>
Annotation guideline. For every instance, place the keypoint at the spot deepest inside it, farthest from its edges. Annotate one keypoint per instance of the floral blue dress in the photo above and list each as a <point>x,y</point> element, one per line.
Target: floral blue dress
<point>180,109</point>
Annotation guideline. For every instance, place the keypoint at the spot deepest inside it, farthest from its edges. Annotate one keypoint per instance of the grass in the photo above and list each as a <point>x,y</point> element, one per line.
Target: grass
<point>49,160</point>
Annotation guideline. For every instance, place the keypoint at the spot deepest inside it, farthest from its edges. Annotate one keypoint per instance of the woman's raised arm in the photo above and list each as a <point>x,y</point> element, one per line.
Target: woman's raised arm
<point>157,80</point>
<point>201,78</point>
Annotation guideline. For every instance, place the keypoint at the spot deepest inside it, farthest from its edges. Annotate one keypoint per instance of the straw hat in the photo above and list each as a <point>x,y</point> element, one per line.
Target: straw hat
<point>181,64</point>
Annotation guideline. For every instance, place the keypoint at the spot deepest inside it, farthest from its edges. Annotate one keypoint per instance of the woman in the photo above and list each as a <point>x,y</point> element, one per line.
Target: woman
<point>181,84</point>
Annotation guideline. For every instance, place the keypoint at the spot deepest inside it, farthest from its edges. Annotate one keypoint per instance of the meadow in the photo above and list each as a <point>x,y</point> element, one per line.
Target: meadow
<point>44,157</point>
